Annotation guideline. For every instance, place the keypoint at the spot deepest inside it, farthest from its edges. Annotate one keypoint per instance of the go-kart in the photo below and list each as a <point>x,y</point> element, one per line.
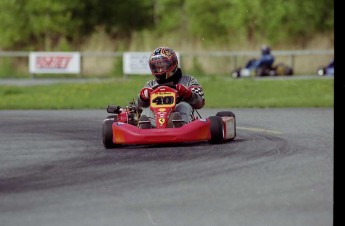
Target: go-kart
<point>326,70</point>
<point>275,70</point>
<point>121,127</point>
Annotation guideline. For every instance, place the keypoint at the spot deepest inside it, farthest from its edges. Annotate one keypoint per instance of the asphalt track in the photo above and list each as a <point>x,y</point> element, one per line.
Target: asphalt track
<point>278,171</point>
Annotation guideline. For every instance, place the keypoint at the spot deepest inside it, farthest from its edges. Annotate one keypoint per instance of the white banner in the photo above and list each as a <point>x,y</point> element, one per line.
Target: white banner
<point>54,62</point>
<point>137,62</point>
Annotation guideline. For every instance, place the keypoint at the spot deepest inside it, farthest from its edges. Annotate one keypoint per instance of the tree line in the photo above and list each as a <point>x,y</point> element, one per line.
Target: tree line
<point>32,24</point>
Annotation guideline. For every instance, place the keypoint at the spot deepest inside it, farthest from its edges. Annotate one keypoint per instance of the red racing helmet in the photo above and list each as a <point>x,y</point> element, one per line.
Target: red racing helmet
<point>163,63</point>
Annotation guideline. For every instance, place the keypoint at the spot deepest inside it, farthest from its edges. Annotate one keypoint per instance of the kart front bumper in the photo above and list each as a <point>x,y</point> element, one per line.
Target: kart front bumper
<point>198,130</point>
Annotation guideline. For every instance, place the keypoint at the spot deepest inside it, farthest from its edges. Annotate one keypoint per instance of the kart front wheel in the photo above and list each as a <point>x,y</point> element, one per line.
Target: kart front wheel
<point>216,130</point>
<point>107,134</point>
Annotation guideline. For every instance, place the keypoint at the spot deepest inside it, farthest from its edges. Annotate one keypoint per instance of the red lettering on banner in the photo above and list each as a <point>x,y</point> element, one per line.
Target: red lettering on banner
<point>53,62</point>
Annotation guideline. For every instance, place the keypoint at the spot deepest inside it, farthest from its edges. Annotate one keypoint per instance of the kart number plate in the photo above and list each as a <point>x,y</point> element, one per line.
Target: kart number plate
<point>163,99</point>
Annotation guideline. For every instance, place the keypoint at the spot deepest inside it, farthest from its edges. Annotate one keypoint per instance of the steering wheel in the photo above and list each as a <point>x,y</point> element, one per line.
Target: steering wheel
<point>173,86</point>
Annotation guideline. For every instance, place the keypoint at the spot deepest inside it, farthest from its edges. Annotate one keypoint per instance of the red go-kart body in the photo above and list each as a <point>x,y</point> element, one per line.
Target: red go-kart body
<point>122,127</point>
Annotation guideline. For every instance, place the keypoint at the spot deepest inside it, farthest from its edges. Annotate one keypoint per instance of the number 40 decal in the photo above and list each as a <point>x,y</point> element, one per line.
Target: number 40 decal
<point>162,100</point>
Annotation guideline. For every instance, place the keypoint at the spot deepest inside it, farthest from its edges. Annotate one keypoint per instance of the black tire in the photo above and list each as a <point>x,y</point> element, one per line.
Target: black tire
<point>236,73</point>
<point>107,134</point>
<point>228,114</point>
<point>217,130</point>
<point>259,72</point>
<point>289,71</point>
<point>225,114</point>
<point>262,71</point>
<point>114,117</point>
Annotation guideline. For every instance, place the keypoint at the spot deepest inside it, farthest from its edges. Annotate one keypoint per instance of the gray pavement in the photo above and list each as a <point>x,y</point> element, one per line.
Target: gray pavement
<point>278,171</point>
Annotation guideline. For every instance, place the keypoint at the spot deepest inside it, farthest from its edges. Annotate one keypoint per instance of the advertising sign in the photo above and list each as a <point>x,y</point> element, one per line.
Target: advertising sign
<point>137,62</point>
<point>54,62</point>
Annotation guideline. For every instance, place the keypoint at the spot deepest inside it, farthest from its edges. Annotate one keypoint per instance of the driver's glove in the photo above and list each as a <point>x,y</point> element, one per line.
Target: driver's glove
<point>183,91</point>
<point>145,93</point>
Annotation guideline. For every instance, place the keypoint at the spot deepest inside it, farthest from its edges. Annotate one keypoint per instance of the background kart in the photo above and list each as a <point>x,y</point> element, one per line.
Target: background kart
<point>121,127</point>
<point>325,71</point>
<point>275,70</point>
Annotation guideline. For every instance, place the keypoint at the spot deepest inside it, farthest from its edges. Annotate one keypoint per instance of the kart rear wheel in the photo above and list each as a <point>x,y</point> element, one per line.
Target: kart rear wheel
<point>289,71</point>
<point>107,133</point>
<point>262,71</point>
<point>217,130</point>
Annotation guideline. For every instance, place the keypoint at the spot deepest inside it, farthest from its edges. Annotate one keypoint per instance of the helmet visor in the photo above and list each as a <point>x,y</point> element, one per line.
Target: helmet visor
<point>160,65</point>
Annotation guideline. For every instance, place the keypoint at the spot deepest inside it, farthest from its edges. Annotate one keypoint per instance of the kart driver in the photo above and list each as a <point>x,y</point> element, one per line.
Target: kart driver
<point>164,67</point>
<point>266,60</point>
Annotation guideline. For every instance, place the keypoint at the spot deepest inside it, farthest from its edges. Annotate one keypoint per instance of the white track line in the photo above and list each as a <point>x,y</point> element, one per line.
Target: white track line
<point>258,130</point>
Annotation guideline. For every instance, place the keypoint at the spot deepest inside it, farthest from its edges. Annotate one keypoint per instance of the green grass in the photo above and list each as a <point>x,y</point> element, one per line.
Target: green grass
<point>219,93</point>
